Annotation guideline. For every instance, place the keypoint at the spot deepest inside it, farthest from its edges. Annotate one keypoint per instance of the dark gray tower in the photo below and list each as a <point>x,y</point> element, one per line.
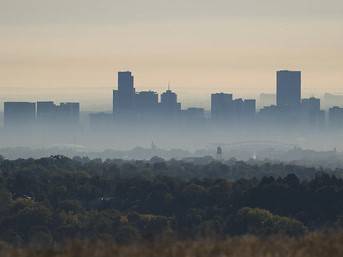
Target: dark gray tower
<point>169,102</point>
<point>19,114</point>
<point>124,97</point>
<point>46,112</point>
<point>221,106</point>
<point>288,89</point>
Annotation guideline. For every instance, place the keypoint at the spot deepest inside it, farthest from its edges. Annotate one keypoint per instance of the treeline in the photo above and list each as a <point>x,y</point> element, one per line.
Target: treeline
<point>55,199</point>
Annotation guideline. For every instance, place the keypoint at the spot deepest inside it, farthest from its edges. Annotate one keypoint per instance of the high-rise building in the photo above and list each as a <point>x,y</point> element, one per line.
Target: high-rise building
<point>46,111</point>
<point>288,89</point>
<point>244,110</point>
<point>146,105</point>
<point>19,114</point>
<point>169,104</point>
<point>125,82</point>
<point>146,101</point>
<point>124,97</point>
<point>221,106</point>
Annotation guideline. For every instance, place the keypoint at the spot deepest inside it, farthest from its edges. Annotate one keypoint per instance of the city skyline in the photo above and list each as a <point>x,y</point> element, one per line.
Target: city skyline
<point>99,100</point>
<point>69,49</point>
<point>140,116</point>
<point>153,122</point>
<point>263,99</point>
<point>131,106</point>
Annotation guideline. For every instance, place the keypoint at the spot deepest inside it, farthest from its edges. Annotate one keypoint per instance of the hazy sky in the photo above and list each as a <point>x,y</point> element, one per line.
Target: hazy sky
<point>71,49</point>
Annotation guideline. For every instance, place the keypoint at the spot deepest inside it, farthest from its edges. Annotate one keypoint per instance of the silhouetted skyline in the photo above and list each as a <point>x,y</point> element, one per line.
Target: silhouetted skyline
<point>133,106</point>
<point>69,49</point>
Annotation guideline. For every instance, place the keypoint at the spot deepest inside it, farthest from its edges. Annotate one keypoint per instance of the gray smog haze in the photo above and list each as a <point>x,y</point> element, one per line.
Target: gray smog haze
<point>70,50</point>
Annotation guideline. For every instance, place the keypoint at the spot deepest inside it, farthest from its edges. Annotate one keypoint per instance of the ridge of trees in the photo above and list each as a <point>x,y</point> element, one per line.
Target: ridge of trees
<point>57,198</point>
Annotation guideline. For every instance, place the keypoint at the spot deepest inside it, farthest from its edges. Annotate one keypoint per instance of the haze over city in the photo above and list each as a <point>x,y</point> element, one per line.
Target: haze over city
<point>69,50</point>
<point>171,128</point>
<point>59,62</point>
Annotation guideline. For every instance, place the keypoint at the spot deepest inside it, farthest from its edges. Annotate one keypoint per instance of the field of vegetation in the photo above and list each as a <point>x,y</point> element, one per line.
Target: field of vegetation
<point>58,206</point>
<point>311,245</point>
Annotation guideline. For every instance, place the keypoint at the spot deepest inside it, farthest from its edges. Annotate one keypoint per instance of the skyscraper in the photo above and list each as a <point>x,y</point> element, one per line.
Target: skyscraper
<point>46,111</point>
<point>169,104</point>
<point>146,101</point>
<point>221,106</point>
<point>124,97</point>
<point>19,114</point>
<point>288,89</point>
<point>146,105</point>
<point>244,110</point>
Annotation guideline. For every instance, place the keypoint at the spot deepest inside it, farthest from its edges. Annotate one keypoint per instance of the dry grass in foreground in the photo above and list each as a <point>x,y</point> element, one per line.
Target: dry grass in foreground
<point>312,245</point>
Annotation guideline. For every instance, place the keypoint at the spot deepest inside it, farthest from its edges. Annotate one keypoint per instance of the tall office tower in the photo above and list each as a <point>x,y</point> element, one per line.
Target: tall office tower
<point>221,106</point>
<point>46,112</point>
<point>124,97</point>
<point>146,102</point>
<point>19,114</point>
<point>68,113</point>
<point>169,104</point>
<point>288,89</point>
<point>336,117</point>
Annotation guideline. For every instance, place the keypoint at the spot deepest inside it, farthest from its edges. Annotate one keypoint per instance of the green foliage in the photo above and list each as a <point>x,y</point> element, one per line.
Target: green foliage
<point>262,222</point>
<point>57,199</point>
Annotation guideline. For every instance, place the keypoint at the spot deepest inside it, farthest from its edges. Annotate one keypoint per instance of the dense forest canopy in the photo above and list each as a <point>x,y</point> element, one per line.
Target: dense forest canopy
<point>58,198</point>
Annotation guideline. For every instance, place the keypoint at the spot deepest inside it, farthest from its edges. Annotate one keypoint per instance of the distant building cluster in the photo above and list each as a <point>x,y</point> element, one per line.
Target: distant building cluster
<point>129,106</point>
<point>18,114</point>
<point>286,106</point>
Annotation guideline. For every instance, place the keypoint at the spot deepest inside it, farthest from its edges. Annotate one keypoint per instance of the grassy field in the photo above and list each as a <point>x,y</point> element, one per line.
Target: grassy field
<point>311,245</point>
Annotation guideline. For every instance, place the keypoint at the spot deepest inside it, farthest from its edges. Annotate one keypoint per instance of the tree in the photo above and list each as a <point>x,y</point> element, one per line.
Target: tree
<point>262,222</point>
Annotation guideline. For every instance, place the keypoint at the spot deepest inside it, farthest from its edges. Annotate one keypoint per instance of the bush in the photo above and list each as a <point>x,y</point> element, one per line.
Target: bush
<point>262,222</point>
